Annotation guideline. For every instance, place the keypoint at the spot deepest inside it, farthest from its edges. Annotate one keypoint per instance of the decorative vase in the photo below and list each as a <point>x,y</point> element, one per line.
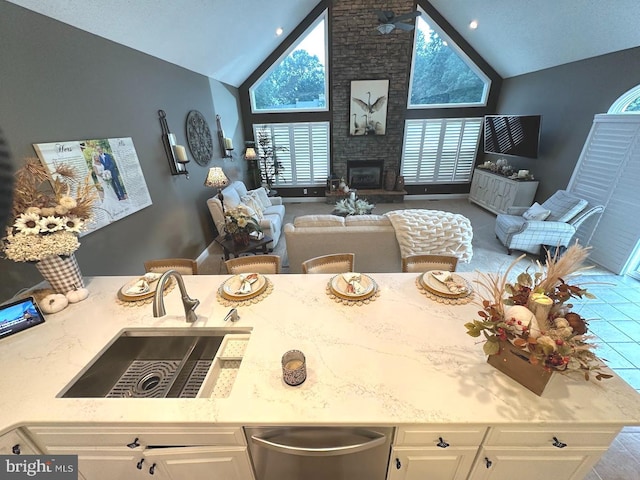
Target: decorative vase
<point>241,239</point>
<point>514,362</point>
<point>62,273</point>
<point>399,183</point>
<point>389,180</point>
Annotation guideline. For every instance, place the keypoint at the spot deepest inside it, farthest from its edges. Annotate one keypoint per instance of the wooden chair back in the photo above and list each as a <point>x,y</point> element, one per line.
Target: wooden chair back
<point>254,264</point>
<point>424,263</point>
<point>332,263</point>
<point>184,266</point>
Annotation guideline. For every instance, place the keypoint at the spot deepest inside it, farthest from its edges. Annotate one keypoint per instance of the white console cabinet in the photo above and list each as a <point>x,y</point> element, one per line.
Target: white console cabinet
<point>496,192</point>
<point>170,453</point>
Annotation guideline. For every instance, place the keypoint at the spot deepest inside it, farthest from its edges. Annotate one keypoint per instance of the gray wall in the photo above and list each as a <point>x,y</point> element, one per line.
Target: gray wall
<point>567,97</point>
<point>60,83</point>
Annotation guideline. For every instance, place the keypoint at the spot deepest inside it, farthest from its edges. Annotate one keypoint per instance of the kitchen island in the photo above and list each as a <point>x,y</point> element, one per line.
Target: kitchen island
<point>401,360</point>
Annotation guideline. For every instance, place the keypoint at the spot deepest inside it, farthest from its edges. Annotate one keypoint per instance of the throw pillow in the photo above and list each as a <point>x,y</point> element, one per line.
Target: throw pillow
<point>248,201</point>
<point>256,198</point>
<point>250,211</point>
<point>264,198</point>
<point>536,212</point>
<point>231,198</point>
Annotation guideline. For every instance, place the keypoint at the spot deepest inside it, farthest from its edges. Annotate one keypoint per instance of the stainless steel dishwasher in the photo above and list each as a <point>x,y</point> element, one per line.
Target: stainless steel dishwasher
<point>319,453</point>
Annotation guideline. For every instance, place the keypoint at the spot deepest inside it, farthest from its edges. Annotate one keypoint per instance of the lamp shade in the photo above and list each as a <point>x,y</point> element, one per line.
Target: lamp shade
<point>250,154</point>
<point>216,178</point>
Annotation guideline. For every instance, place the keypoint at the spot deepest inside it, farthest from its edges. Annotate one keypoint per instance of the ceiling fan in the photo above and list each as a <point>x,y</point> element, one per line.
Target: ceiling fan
<point>389,21</point>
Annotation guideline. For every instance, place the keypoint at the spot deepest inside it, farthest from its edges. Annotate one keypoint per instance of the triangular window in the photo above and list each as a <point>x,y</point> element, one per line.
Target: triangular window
<point>627,103</point>
<point>298,80</point>
<point>441,73</point>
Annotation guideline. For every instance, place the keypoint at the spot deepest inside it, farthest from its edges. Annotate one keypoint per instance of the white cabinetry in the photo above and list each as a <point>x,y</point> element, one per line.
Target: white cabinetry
<point>445,453</point>
<point>496,193</point>
<point>167,453</point>
<point>16,442</point>
<point>530,453</point>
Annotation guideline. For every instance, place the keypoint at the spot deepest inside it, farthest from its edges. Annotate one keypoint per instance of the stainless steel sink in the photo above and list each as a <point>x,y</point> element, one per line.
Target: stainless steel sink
<point>163,363</point>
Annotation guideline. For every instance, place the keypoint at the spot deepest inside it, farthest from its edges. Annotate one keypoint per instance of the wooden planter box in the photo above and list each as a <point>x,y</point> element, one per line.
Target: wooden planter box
<point>514,362</point>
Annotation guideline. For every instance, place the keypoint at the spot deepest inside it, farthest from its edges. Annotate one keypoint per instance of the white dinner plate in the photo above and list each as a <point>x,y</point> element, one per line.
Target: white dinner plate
<point>339,285</point>
<point>232,285</point>
<point>435,285</point>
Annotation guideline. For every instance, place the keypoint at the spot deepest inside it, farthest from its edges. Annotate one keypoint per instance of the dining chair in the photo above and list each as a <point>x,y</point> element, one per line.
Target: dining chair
<point>424,263</point>
<point>184,266</point>
<point>332,263</point>
<point>254,264</point>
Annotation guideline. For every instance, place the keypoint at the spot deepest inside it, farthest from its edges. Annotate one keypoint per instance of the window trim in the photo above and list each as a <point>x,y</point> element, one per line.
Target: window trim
<point>463,56</point>
<point>324,16</point>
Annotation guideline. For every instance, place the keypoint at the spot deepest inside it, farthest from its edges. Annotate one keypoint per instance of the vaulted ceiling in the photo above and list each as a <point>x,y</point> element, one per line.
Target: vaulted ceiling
<point>227,39</point>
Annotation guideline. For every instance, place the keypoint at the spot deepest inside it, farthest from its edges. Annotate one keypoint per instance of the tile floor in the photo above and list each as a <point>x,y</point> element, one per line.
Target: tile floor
<point>614,317</point>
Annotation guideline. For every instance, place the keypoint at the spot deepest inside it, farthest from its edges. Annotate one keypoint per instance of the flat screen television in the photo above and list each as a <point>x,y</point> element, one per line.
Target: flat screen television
<point>515,135</point>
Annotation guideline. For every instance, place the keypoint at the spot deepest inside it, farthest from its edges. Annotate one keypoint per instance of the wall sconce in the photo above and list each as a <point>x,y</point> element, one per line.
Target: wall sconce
<point>217,179</point>
<point>176,154</point>
<point>250,154</point>
<point>226,144</point>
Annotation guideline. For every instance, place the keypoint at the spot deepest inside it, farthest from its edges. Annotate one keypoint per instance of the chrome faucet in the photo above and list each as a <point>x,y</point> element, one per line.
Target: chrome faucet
<point>190,304</point>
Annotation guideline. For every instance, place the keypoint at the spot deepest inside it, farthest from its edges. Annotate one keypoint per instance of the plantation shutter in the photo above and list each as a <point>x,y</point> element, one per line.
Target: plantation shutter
<point>303,152</point>
<point>608,173</point>
<point>441,150</point>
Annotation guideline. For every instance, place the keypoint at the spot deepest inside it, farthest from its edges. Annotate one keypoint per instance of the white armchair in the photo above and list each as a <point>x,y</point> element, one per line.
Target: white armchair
<point>567,213</point>
<point>236,194</point>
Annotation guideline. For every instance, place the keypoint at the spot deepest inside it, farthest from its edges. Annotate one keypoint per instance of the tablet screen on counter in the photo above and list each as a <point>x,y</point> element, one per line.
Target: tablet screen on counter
<point>19,315</point>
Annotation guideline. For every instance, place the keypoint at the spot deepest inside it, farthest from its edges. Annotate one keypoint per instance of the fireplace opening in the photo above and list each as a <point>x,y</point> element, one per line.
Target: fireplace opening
<point>365,174</point>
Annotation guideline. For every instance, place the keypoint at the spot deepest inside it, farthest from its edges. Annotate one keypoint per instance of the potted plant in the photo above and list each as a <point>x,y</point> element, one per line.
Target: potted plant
<point>240,224</point>
<point>270,167</point>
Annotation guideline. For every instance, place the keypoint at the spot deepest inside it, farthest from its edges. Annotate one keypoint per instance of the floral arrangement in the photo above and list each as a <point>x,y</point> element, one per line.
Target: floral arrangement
<point>534,314</point>
<point>238,220</point>
<point>46,218</point>
<point>346,206</point>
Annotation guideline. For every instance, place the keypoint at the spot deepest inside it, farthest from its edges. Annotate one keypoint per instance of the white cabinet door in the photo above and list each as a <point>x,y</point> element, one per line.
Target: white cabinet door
<point>202,463</point>
<point>16,443</point>
<point>107,463</point>
<point>508,463</point>
<point>430,462</point>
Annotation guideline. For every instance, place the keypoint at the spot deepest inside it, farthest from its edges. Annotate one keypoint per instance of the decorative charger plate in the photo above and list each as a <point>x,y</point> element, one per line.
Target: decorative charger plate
<point>430,283</point>
<point>230,289</point>
<point>143,295</point>
<point>340,287</point>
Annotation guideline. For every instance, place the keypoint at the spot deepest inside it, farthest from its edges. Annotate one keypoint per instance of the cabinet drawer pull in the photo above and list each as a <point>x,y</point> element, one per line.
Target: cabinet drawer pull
<point>442,443</point>
<point>152,469</point>
<point>558,443</point>
<point>134,444</point>
<point>398,464</point>
<point>16,449</point>
<point>488,462</point>
<point>139,464</point>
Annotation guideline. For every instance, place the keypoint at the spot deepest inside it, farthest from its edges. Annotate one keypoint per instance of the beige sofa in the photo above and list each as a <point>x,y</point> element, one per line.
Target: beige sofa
<point>236,194</point>
<point>371,237</point>
<point>379,241</point>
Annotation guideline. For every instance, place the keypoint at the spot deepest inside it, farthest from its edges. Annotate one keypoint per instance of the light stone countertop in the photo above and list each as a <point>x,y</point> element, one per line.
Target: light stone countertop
<point>401,359</point>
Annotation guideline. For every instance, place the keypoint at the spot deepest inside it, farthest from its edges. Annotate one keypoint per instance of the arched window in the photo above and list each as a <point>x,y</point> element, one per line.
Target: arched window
<point>629,102</point>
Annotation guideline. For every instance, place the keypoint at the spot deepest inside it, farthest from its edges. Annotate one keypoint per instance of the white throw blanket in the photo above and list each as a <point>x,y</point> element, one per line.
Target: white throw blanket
<point>432,232</point>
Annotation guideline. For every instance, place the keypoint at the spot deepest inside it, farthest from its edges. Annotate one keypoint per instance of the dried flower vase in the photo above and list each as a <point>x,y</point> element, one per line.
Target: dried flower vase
<point>514,363</point>
<point>62,273</point>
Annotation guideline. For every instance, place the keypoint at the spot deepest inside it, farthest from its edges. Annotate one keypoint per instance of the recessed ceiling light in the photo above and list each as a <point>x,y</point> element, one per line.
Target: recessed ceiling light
<point>473,24</point>
<point>279,31</point>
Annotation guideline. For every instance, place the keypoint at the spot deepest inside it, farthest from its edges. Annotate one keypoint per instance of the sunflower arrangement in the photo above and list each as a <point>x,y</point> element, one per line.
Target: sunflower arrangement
<point>534,314</point>
<point>46,217</point>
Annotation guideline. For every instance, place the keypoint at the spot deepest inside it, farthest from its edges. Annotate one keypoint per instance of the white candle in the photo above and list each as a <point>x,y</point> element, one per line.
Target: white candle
<point>181,153</point>
<point>228,144</point>
<point>352,195</point>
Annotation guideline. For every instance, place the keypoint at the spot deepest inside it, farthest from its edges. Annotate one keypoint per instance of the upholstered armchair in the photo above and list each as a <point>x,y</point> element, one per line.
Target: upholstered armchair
<point>566,212</point>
